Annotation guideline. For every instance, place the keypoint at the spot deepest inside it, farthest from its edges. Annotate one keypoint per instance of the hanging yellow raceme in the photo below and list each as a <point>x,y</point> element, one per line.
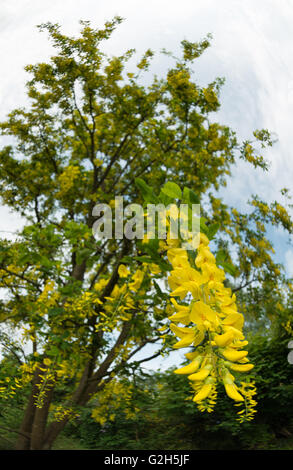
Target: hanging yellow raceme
<point>212,325</point>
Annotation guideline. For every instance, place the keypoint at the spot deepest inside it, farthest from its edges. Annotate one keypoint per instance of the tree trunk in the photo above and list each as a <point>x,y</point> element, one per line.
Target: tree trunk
<point>53,432</point>
<point>32,429</point>
<point>56,427</point>
<point>40,422</point>
<point>23,442</point>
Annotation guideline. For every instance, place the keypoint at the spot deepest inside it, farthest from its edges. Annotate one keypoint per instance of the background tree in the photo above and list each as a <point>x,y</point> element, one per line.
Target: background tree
<point>167,418</point>
<point>91,129</point>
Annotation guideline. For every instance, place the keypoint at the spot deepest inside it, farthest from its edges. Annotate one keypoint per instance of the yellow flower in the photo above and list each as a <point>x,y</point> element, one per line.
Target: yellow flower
<point>201,239</point>
<point>234,319</point>
<point>178,257</point>
<point>234,355</point>
<point>202,374</point>
<point>224,339</point>
<point>203,314</point>
<point>184,280</point>
<point>188,336</point>
<point>204,256</point>
<point>231,388</point>
<point>137,280</point>
<point>241,367</point>
<point>232,392</point>
<point>182,314</point>
<point>216,328</point>
<point>190,368</point>
<point>213,273</point>
<point>155,269</point>
<point>123,271</point>
<point>187,340</point>
<point>203,393</point>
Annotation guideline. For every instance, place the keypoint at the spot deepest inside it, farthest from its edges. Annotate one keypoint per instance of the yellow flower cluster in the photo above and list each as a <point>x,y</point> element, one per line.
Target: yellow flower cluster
<point>50,371</point>
<point>212,324</point>
<point>66,179</point>
<point>116,395</point>
<point>10,386</point>
<point>60,413</point>
<point>47,298</point>
<point>119,306</point>
<point>248,390</point>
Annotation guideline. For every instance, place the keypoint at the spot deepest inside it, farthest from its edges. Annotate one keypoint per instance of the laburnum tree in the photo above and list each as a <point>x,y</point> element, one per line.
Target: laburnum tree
<point>75,309</point>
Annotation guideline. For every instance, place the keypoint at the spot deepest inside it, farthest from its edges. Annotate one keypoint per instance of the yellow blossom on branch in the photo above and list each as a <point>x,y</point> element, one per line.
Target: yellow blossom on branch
<point>212,326</point>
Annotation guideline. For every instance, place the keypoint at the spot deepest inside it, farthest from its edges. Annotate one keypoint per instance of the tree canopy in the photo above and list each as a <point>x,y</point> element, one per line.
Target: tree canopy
<point>76,310</point>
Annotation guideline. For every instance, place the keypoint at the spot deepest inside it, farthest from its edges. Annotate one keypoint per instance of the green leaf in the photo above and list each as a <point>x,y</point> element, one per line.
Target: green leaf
<point>152,248</point>
<point>229,268</point>
<point>221,256</point>
<point>193,198</point>
<point>82,254</point>
<point>212,230</point>
<point>164,199</point>
<point>172,190</point>
<point>53,351</point>
<point>185,195</point>
<point>55,311</point>
<point>203,227</point>
<point>143,259</point>
<point>127,259</point>
<point>159,291</point>
<point>146,191</point>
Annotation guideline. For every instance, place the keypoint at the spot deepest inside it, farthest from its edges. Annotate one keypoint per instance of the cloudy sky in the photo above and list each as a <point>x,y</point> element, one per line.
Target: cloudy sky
<point>251,48</point>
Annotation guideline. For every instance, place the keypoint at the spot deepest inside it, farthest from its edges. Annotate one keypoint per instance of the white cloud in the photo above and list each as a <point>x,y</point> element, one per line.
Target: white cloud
<point>289,262</point>
<point>10,223</point>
